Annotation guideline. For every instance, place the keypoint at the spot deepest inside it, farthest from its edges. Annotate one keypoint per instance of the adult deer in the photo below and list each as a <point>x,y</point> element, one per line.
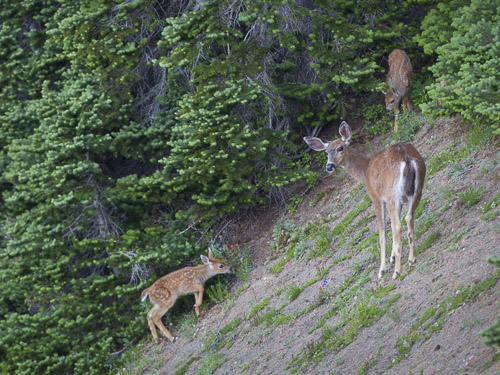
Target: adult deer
<point>398,82</point>
<point>392,176</point>
<point>188,280</point>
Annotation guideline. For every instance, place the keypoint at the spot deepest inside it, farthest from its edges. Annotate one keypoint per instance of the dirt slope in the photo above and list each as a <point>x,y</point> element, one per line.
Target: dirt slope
<point>280,321</point>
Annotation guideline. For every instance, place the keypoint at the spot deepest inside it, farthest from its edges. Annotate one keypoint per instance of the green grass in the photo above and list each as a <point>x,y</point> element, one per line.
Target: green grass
<point>211,363</point>
<point>470,196</point>
<point>365,312</point>
<point>183,369</point>
<point>432,319</point>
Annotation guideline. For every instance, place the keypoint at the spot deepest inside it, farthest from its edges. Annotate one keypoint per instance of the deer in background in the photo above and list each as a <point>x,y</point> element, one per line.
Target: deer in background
<point>392,177</point>
<point>398,82</point>
<point>164,291</point>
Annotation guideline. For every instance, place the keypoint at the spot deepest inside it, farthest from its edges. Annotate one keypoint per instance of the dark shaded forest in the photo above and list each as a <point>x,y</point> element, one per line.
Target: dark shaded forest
<point>133,132</point>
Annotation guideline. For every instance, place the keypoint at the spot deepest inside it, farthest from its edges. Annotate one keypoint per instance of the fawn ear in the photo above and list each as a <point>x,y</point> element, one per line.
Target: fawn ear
<point>315,143</point>
<point>210,254</point>
<point>345,132</point>
<point>205,260</point>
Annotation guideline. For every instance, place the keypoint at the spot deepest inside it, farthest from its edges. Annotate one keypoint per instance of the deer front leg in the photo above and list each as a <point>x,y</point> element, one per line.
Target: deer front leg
<point>380,212</point>
<point>198,295</point>
<point>396,112</point>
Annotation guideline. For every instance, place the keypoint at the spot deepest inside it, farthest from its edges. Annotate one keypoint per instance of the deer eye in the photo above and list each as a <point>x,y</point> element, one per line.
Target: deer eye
<point>392,101</point>
<point>340,149</point>
<point>221,266</point>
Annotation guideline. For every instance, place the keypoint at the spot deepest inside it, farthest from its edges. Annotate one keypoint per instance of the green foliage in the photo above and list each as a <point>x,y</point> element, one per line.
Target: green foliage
<point>491,335</point>
<point>470,196</point>
<point>465,35</point>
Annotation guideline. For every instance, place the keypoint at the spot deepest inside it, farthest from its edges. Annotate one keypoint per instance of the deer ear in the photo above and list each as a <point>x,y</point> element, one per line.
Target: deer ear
<point>394,91</point>
<point>205,260</point>
<point>383,92</point>
<point>210,254</point>
<point>345,132</point>
<point>315,143</point>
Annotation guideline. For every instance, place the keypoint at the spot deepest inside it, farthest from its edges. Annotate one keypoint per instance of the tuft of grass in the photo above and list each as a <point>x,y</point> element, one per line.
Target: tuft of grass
<point>293,292</point>
<point>184,368</point>
<point>428,242</point>
<point>217,292</point>
<point>470,196</point>
<point>212,363</point>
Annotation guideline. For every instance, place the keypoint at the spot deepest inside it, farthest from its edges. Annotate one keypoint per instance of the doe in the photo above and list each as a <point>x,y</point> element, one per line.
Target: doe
<point>398,82</point>
<point>392,177</point>
<point>164,291</point>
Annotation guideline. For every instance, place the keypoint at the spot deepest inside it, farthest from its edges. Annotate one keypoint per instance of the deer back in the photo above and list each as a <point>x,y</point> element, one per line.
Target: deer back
<point>393,173</point>
<point>398,79</point>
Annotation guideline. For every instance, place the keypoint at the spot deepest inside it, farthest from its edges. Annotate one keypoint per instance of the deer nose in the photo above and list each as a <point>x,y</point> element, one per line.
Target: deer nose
<point>330,167</point>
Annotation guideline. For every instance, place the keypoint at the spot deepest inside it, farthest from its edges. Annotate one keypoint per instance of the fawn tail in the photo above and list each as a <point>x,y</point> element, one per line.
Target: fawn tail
<point>144,294</point>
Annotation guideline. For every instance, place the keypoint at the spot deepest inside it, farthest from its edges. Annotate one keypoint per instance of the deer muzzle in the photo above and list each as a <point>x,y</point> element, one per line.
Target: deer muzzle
<point>330,167</point>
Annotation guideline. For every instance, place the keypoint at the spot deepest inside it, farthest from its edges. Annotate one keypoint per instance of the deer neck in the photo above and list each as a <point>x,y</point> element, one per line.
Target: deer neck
<point>204,273</point>
<point>356,165</point>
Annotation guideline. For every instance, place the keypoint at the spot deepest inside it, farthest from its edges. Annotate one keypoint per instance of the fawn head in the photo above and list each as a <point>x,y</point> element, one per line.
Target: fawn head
<point>214,265</point>
<point>392,99</point>
<point>336,150</point>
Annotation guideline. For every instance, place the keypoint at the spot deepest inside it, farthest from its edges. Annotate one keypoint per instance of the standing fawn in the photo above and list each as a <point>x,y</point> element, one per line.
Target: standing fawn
<point>398,82</point>
<point>166,289</point>
<point>392,177</point>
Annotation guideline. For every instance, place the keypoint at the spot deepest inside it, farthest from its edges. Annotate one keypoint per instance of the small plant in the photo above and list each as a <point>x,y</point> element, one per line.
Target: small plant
<point>293,292</point>
<point>212,363</point>
<point>239,260</point>
<point>294,202</point>
<point>217,292</point>
<point>409,125</point>
<point>376,120</point>
<point>470,196</point>
<point>187,325</point>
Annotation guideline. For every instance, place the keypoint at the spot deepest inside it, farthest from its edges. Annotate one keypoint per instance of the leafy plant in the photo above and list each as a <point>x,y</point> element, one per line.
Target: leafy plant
<point>470,196</point>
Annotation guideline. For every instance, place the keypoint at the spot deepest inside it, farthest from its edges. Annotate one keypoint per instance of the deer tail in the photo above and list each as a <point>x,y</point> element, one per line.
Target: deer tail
<point>409,178</point>
<point>144,294</point>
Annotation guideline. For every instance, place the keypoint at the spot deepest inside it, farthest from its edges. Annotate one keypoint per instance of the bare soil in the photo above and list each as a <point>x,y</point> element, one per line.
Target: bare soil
<point>419,326</point>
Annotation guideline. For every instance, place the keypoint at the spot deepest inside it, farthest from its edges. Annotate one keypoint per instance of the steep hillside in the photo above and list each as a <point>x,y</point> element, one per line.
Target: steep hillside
<point>312,303</point>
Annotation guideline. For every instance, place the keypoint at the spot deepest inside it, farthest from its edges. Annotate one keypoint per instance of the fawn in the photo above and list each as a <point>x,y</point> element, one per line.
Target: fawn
<point>398,82</point>
<point>164,291</point>
<point>392,177</point>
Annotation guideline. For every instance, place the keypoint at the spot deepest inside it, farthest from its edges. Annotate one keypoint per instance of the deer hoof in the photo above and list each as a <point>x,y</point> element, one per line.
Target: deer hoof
<point>395,275</point>
<point>411,261</point>
<point>381,273</point>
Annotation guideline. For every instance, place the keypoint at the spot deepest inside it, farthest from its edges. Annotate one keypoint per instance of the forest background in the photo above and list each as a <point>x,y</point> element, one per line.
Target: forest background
<point>132,132</point>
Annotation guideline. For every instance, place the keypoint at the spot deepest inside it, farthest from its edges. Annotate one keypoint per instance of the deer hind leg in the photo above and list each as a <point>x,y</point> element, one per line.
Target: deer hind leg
<point>410,221</point>
<point>397,230</point>
<point>198,295</point>
<point>407,102</point>
<point>154,318</point>
<point>381,220</point>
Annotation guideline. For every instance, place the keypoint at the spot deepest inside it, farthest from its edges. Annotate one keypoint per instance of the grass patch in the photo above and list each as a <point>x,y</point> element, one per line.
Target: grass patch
<point>364,313</point>
<point>428,242</point>
<point>470,196</point>
<point>212,363</point>
<point>432,319</point>
<point>221,338</point>
<point>184,367</point>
